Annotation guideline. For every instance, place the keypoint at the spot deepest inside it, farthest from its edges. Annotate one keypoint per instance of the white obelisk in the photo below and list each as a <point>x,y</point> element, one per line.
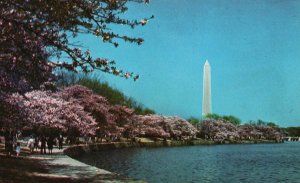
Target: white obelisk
<point>206,102</point>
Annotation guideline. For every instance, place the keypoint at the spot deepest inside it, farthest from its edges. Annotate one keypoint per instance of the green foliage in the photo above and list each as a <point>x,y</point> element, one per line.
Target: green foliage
<point>232,119</point>
<point>114,96</point>
<point>293,131</point>
<point>146,111</point>
<point>260,122</point>
<point>271,124</point>
<point>251,122</point>
<point>236,121</point>
<point>194,121</point>
<point>213,116</point>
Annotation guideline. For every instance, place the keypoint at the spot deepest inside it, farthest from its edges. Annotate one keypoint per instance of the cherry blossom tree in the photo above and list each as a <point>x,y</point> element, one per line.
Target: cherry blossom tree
<point>123,115</point>
<point>270,132</point>
<point>11,114</point>
<point>248,131</point>
<point>178,127</point>
<point>36,36</point>
<point>95,104</point>
<point>42,109</point>
<point>160,126</point>
<point>218,130</point>
<point>148,126</point>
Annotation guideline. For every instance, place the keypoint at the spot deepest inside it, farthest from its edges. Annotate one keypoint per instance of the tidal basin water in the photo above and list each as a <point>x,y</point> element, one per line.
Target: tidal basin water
<point>215,163</point>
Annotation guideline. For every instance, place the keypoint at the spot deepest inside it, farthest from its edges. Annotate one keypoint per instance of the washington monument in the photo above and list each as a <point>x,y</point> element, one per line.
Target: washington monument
<point>206,102</point>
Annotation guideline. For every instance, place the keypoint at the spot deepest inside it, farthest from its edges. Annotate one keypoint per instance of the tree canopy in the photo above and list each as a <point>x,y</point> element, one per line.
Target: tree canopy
<point>293,131</point>
<point>194,121</point>
<point>36,37</point>
<point>44,109</point>
<point>263,123</point>
<point>220,130</point>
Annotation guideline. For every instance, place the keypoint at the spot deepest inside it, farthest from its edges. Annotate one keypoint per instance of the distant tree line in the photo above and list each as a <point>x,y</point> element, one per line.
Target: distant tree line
<point>289,131</point>
<point>236,121</point>
<point>292,131</point>
<point>232,119</point>
<point>262,123</point>
<point>219,128</point>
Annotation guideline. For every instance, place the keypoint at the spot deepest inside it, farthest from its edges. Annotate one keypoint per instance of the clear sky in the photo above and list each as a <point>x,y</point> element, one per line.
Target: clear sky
<point>253,47</point>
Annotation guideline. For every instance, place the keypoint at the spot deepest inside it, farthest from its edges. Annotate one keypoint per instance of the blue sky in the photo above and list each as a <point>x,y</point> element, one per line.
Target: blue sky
<point>253,47</point>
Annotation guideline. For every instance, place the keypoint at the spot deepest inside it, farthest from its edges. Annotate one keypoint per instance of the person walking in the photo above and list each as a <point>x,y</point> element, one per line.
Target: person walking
<point>43,145</point>
<point>36,143</point>
<point>18,149</point>
<point>30,144</point>
<point>60,141</point>
<point>50,144</point>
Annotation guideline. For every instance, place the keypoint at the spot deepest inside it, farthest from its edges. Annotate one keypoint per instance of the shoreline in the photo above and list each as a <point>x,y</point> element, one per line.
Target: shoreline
<point>76,151</point>
<point>52,168</point>
<point>64,166</point>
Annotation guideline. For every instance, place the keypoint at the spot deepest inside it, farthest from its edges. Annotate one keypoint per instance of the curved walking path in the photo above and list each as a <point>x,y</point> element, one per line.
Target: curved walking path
<point>52,168</point>
<point>64,166</point>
